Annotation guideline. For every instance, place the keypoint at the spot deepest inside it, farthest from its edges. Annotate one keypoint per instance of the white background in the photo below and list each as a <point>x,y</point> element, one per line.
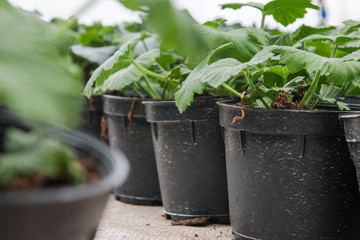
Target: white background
<point>111,11</point>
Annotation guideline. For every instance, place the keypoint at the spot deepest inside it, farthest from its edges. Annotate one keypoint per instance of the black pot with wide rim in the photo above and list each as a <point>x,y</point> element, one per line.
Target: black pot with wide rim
<point>68,212</point>
<point>190,159</point>
<point>290,175</point>
<point>129,132</point>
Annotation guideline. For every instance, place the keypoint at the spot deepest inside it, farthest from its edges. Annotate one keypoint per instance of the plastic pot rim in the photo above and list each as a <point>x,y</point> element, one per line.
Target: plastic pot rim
<point>227,103</point>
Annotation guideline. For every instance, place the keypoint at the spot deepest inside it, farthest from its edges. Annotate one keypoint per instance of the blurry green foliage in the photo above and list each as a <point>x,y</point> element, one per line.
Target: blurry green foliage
<point>37,77</point>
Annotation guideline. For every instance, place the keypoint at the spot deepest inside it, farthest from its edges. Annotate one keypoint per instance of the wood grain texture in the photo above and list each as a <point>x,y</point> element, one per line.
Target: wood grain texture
<point>125,221</point>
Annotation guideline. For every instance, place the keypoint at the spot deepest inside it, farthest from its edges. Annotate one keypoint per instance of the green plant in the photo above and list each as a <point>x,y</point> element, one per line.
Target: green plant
<point>34,156</point>
<point>145,73</point>
<point>283,11</point>
<point>39,82</point>
<point>297,69</point>
<point>37,77</point>
<point>97,35</point>
<point>195,81</point>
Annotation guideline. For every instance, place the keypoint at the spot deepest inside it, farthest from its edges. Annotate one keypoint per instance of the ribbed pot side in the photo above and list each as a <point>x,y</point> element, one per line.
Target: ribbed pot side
<point>129,132</point>
<point>190,159</point>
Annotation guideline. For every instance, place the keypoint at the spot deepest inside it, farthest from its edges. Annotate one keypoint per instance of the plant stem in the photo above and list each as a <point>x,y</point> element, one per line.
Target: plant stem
<point>312,88</point>
<point>309,100</point>
<point>303,46</point>
<point>252,85</point>
<point>151,73</point>
<point>144,70</point>
<point>333,53</point>
<point>248,79</point>
<point>164,91</point>
<point>345,89</point>
<point>262,21</point>
<point>152,92</point>
<point>145,46</point>
<point>236,93</point>
<point>232,80</point>
<point>138,93</point>
<point>314,104</point>
<point>142,89</point>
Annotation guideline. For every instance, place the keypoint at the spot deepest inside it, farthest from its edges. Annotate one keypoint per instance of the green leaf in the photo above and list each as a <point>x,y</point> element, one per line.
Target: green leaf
<point>175,28</point>
<point>349,27</point>
<point>342,105</point>
<point>328,93</point>
<point>114,63</point>
<point>129,75</point>
<point>37,76</point>
<point>37,155</point>
<point>354,56</point>
<point>178,72</point>
<point>275,76</point>
<point>258,35</point>
<point>96,35</point>
<point>215,24</point>
<point>224,69</point>
<point>335,39</point>
<point>336,70</point>
<point>325,49</point>
<point>304,31</point>
<point>246,42</point>
<point>96,55</point>
<point>281,71</point>
<point>321,48</point>
<point>236,6</point>
<point>166,60</point>
<point>281,40</point>
<point>293,84</point>
<point>354,88</point>
<point>288,11</point>
<point>185,96</point>
<point>352,45</point>
<point>139,5</point>
<point>181,33</point>
<point>221,71</point>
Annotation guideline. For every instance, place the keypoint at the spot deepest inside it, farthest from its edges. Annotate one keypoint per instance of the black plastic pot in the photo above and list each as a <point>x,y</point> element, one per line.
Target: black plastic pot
<point>190,159</point>
<point>69,212</point>
<point>133,138</point>
<point>92,114</point>
<point>290,175</point>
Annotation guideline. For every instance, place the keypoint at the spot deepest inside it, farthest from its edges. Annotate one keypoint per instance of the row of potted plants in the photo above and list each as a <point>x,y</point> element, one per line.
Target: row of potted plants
<point>54,181</point>
<point>288,172</point>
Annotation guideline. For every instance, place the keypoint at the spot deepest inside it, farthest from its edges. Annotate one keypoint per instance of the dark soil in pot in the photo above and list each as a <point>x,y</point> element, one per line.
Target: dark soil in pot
<point>67,212</point>
<point>290,175</point>
<point>129,132</point>
<point>92,116</point>
<point>190,159</point>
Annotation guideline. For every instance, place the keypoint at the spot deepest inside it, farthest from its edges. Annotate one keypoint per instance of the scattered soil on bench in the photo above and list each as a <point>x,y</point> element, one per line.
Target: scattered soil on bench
<point>201,221</point>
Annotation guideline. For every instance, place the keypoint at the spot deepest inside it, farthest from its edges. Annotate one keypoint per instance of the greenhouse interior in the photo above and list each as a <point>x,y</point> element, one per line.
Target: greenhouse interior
<point>179,119</point>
